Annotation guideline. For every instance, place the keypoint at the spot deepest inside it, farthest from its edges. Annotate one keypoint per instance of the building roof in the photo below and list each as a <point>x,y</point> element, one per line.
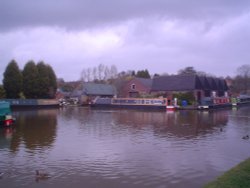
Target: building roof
<point>188,83</point>
<point>98,89</point>
<point>76,93</point>
<point>147,82</point>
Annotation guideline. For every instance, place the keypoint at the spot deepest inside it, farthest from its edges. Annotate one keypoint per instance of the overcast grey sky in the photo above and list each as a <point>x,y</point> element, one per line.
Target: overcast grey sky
<point>162,36</point>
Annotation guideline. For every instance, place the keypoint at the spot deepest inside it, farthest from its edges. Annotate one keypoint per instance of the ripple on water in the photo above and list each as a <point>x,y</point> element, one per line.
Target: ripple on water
<point>123,149</point>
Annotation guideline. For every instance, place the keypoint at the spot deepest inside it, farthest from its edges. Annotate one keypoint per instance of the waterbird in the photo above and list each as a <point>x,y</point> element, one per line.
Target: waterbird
<point>245,137</point>
<point>1,174</point>
<point>41,176</point>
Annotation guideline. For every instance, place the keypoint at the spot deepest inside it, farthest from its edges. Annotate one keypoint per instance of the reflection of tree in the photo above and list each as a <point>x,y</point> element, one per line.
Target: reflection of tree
<point>180,123</point>
<point>75,113</point>
<point>36,128</point>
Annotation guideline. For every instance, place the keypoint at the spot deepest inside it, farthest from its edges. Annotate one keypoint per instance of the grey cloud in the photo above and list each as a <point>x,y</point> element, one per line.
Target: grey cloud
<point>74,14</point>
<point>160,35</point>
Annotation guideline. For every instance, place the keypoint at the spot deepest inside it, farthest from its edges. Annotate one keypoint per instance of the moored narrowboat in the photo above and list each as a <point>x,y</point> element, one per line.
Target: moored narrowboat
<point>131,103</point>
<point>32,103</point>
<point>215,102</point>
<point>241,100</point>
<point>6,118</point>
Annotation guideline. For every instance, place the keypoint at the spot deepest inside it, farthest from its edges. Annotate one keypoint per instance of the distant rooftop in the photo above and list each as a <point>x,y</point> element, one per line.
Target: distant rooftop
<point>188,83</point>
<point>98,89</point>
<point>146,81</point>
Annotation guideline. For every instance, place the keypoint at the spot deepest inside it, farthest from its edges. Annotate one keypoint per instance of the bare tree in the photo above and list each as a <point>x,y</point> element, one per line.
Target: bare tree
<point>242,79</point>
<point>89,74</point>
<point>99,73</point>
<point>113,71</point>
<point>106,73</point>
<point>101,68</point>
<point>94,73</point>
<point>83,75</point>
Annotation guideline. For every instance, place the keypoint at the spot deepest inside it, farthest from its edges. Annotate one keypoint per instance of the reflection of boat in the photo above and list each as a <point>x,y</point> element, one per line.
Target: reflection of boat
<point>6,118</point>
<point>137,103</point>
<point>241,100</point>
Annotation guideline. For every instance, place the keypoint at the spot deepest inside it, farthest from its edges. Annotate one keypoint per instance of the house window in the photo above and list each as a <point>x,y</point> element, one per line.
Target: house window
<point>133,86</point>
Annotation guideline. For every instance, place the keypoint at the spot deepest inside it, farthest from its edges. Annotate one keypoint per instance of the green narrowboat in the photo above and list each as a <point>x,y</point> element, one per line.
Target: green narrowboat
<point>6,118</point>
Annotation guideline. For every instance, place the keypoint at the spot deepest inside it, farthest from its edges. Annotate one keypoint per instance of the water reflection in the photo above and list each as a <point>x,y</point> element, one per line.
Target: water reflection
<point>6,135</point>
<point>187,124</point>
<point>34,128</point>
<point>122,148</point>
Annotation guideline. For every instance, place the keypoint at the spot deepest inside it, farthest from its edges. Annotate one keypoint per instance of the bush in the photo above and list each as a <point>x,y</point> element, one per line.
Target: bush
<point>187,96</point>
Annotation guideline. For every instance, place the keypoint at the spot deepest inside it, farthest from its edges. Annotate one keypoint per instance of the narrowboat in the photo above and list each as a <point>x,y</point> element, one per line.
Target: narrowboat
<point>6,118</point>
<point>241,100</point>
<point>131,103</point>
<point>214,102</point>
<point>32,103</point>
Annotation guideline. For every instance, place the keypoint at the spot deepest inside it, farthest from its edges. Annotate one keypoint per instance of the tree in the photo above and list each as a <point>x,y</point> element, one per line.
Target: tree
<point>101,69</point>
<point>192,71</point>
<point>94,73</point>
<point>43,80</point>
<point>187,96</point>
<point>156,75</point>
<point>106,73</point>
<point>30,80</point>
<point>187,71</point>
<point>83,75</point>
<point>99,74</point>
<point>2,92</point>
<point>243,78</point>
<point>12,81</point>
<point>143,74</point>
<point>52,82</point>
<point>133,73</point>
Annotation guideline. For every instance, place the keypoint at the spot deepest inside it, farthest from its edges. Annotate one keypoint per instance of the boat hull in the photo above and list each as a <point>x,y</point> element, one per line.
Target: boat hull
<point>32,103</point>
<point>130,103</point>
<point>140,107</point>
<point>6,118</point>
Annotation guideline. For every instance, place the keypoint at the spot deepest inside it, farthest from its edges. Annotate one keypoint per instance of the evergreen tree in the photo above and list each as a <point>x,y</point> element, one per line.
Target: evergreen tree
<point>30,80</point>
<point>43,80</point>
<point>2,92</point>
<point>187,71</point>
<point>12,81</point>
<point>52,82</point>
<point>143,74</point>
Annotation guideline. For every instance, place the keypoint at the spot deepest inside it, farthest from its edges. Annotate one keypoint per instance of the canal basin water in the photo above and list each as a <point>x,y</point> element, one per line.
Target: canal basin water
<point>84,147</point>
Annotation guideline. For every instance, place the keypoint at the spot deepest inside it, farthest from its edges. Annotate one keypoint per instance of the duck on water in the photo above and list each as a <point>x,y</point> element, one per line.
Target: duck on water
<point>245,137</point>
<point>41,176</point>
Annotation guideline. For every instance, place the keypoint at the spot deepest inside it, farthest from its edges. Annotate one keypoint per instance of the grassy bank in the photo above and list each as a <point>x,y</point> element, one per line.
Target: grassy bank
<point>237,177</point>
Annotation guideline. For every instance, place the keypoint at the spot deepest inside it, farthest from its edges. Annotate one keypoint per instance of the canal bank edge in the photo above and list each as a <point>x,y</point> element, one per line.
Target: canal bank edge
<point>32,103</point>
<point>237,177</point>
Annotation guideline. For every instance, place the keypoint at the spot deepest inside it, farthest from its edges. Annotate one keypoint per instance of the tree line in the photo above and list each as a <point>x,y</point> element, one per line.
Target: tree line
<point>103,73</point>
<point>35,81</point>
<point>39,80</point>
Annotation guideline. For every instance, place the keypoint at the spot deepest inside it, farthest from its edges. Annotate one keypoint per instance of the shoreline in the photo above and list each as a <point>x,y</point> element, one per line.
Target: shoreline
<point>238,176</point>
<point>32,103</point>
